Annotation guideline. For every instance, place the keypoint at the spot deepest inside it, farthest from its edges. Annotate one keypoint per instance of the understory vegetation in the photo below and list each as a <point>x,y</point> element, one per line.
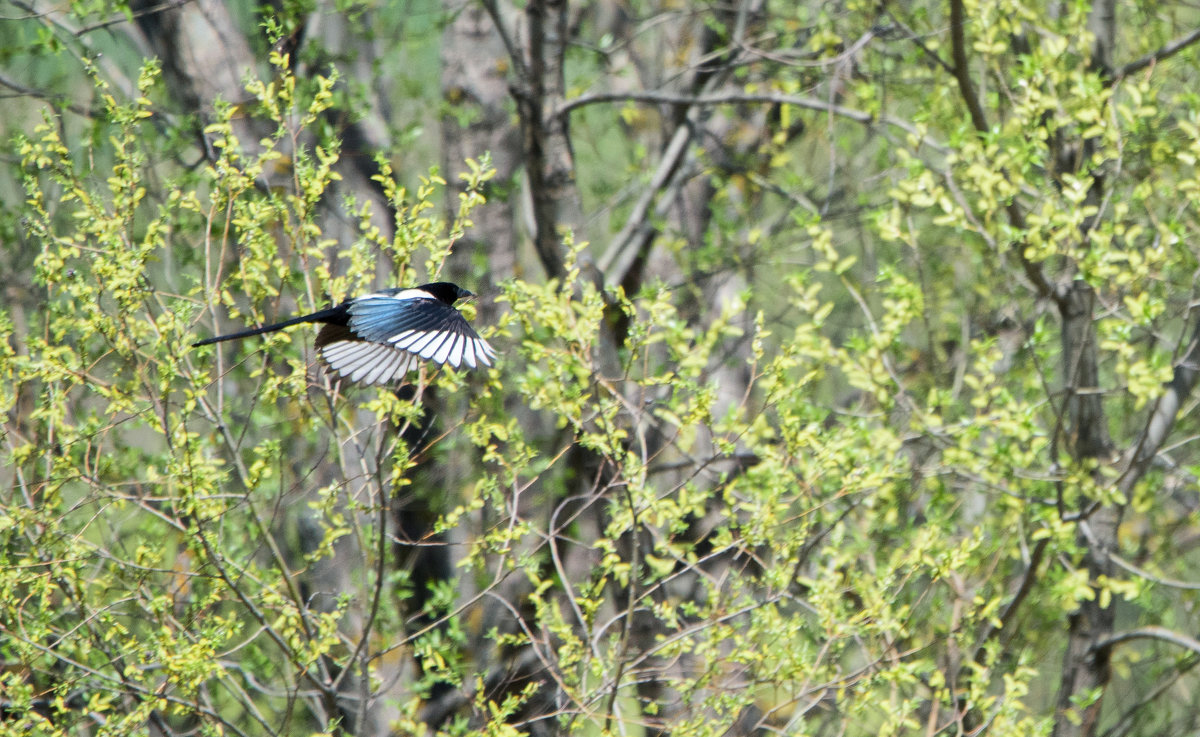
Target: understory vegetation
<point>847,354</point>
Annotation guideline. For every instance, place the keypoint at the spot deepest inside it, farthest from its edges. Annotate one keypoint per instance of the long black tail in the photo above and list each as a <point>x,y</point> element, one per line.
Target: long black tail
<point>330,314</point>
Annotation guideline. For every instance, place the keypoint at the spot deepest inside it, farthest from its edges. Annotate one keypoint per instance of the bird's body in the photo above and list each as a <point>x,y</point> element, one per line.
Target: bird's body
<point>379,337</point>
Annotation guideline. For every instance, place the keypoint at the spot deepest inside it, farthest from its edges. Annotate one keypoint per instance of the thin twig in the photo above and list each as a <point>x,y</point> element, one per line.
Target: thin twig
<point>514,52</point>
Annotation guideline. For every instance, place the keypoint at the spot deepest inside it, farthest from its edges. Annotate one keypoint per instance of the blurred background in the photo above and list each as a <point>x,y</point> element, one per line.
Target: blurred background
<point>847,360</point>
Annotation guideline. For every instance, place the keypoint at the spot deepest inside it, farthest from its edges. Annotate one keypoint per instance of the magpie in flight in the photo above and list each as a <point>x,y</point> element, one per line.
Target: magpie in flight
<point>381,336</point>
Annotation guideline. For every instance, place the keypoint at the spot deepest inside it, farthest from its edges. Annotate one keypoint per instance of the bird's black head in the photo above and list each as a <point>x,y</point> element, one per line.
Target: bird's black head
<point>446,292</point>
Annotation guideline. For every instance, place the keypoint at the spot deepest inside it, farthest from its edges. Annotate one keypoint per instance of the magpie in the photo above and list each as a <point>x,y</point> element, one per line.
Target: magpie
<point>379,337</point>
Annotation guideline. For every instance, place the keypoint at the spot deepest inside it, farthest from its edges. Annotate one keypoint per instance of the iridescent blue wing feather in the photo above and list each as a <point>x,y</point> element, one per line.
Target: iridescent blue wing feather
<point>429,328</point>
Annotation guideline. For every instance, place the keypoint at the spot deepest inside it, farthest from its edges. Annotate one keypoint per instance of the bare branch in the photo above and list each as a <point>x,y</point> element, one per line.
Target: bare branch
<point>1006,618</point>
<point>962,75</point>
<point>1160,580</point>
<point>57,100</point>
<point>961,68</point>
<point>1160,54</point>
<point>1149,633</point>
<point>1158,426</point>
<point>738,97</point>
<point>621,253</point>
<point>514,52</point>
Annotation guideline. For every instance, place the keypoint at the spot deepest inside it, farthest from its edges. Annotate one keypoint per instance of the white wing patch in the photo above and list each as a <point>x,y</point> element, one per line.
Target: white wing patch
<point>367,363</point>
<point>388,334</point>
<point>401,295</point>
<point>486,353</point>
<point>445,346</point>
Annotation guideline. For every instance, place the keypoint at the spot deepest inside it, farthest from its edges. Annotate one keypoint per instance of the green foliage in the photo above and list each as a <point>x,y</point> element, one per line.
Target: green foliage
<point>875,532</point>
<point>142,548</point>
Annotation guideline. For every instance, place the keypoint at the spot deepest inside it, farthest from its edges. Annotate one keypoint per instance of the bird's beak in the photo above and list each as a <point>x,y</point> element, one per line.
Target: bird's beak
<point>465,293</point>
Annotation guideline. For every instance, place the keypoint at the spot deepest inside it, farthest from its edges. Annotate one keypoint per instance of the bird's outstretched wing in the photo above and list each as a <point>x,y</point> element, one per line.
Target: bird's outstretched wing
<point>388,332</point>
<point>361,361</point>
<point>429,328</point>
